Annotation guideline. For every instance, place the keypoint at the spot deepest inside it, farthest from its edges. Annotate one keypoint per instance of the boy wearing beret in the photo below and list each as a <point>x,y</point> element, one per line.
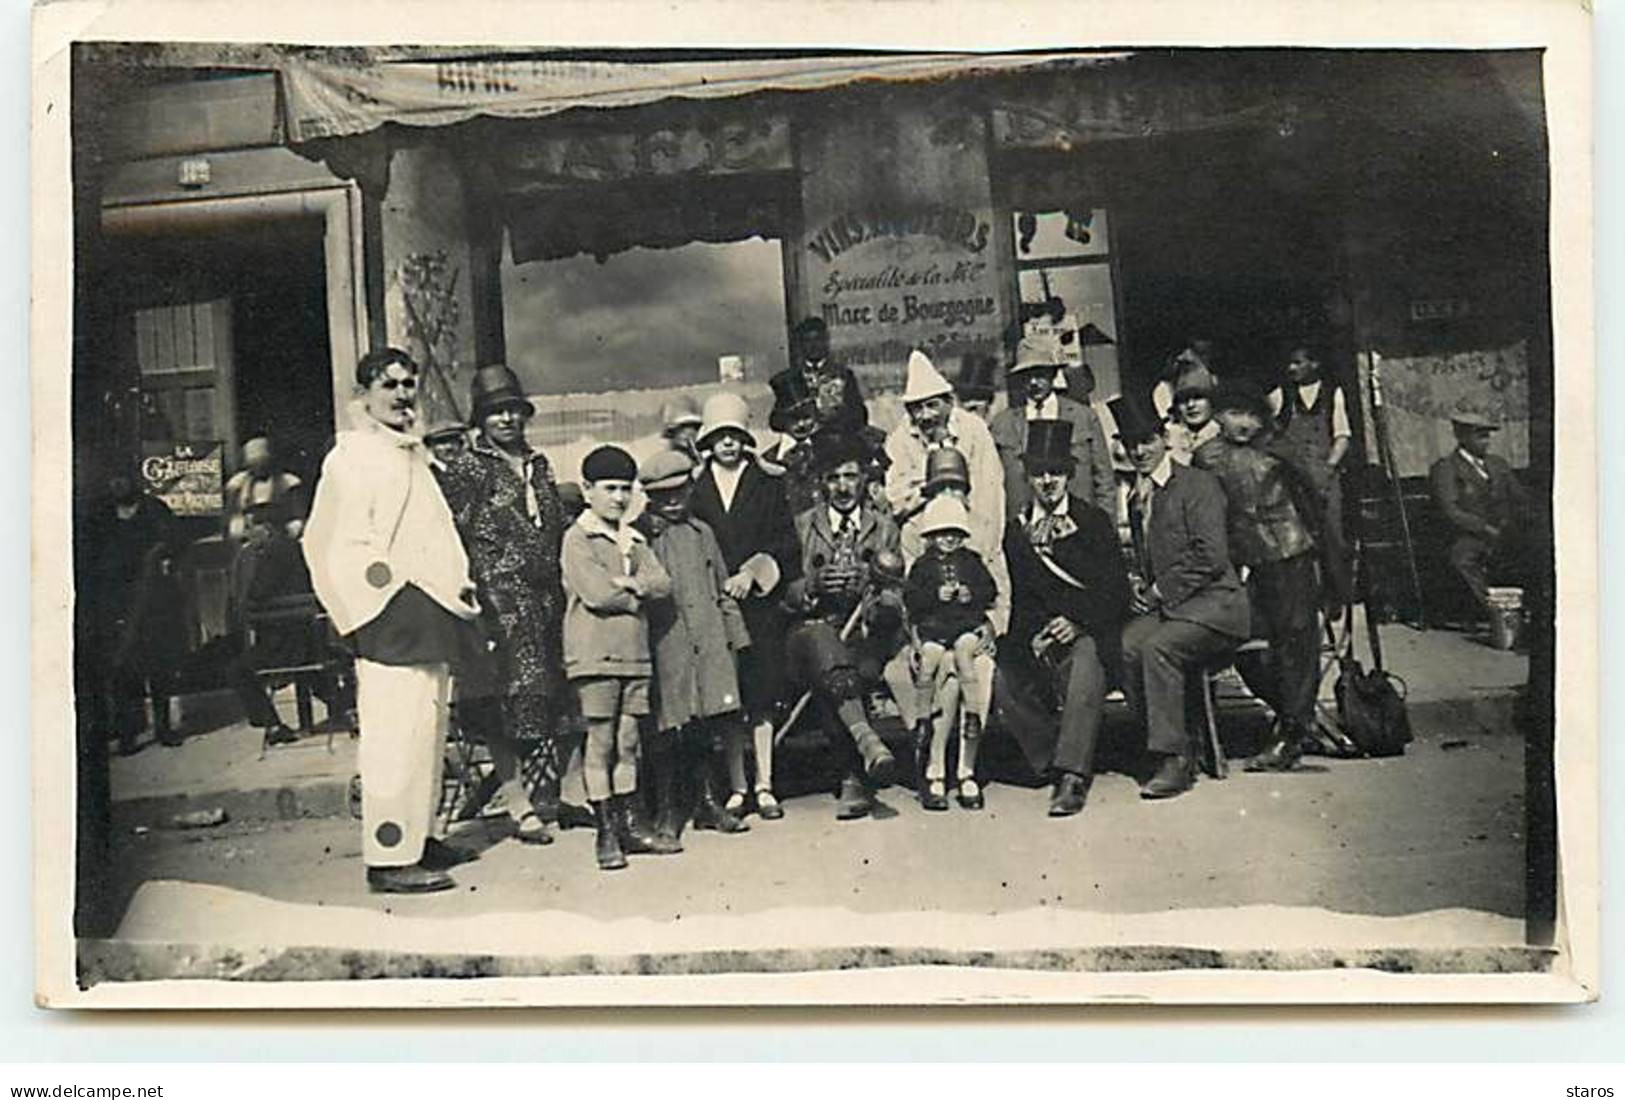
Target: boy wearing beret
<point>610,575</point>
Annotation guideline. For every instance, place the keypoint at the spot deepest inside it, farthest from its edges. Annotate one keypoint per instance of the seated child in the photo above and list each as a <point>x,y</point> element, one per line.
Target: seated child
<point>948,595</point>
<point>696,635</point>
<point>609,575</point>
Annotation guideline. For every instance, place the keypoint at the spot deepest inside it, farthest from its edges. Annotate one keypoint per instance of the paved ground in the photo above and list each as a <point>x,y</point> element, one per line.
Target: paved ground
<point>1438,829</point>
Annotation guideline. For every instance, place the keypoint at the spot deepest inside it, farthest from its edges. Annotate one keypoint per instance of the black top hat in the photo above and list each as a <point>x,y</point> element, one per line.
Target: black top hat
<point>1049,444</point>
<point>832,448</point>
<point>791,393</point>
<point>492,388</point>
<point>976,378</point>
<point>1136,420</point>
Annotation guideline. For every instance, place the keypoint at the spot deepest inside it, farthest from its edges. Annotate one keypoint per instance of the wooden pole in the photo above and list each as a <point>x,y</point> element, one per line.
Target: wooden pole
<point>1386,451</point>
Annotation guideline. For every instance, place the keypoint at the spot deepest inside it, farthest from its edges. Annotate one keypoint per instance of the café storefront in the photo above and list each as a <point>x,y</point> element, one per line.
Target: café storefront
<point>331,200</point>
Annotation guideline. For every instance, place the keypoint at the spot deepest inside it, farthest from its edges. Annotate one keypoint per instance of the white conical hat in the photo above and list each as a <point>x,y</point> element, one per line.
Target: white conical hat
<point>924,380</point>
<point>723,410</point>
<point>945,513</point>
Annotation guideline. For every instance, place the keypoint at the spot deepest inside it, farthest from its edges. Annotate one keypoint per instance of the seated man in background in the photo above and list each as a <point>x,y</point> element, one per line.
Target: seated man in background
<point>260,481</point>
<point>1188,604</point>
<point>269,572</point>
<point>1485,505</point>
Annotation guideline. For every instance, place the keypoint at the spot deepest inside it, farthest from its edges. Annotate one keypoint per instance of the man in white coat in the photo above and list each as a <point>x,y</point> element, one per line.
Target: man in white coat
<point>386,563</point>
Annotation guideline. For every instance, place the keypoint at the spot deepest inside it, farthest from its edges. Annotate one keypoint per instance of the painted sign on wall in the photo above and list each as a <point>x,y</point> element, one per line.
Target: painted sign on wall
<point>898,249</point>
<point>187,476</point>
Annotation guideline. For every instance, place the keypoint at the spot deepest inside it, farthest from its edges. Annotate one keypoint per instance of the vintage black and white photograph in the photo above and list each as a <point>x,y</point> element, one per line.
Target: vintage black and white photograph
<point>972,520</point>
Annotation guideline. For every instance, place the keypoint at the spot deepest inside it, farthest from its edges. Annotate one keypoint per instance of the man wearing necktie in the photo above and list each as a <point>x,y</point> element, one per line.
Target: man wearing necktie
<point>1070,597</point>
<point>1033,399</point>
<point>1189,606</point>
<point>1485,505</point>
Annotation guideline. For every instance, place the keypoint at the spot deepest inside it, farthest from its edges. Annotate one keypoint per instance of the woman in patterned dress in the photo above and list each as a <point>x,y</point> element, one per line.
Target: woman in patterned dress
<point>506,505</point>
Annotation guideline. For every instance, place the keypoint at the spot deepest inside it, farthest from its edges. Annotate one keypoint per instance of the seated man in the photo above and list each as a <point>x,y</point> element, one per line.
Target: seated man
<point>270,569</point>
<point>848,606</point>
<point>1485,505</point>
<point>1188,604</point>
<point>260,481</point>
<point>1071,594</point>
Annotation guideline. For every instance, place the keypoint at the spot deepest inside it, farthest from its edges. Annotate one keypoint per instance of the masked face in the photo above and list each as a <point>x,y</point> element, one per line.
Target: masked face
<point>670,505</point>
<point>506,427</point>
<point>391,398</point>
<point>943,543</point>
<point>843,486</point>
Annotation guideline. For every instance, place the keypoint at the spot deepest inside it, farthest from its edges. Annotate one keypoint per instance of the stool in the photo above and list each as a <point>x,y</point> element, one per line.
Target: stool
<point>1213,758</point>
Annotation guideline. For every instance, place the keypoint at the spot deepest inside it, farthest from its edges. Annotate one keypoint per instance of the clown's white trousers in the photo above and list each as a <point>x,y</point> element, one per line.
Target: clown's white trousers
<point>403,712</point>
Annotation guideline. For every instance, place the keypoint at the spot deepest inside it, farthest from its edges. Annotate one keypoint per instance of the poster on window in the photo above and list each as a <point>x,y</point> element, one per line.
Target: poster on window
<point>186,476</point>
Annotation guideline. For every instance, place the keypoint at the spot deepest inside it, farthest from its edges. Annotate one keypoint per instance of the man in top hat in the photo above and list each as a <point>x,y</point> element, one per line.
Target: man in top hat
<point>1071,595</point>
<point>746,509</point>
<point>974,387</point>
<point>1485,504</point>
<point>833,385</point>
<point>506,506</point>
<point>1188,604</point>
<point>851,570</point>
<point>680,421</point>
<point>1032,399</point>
<point>795,417</point>
<point>934,421</point>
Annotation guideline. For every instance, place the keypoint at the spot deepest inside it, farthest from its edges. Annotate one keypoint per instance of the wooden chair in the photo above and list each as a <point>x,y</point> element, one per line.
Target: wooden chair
<point>315,656</point>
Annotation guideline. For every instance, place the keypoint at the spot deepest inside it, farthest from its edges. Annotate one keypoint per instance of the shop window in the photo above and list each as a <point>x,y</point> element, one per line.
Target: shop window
<point>603,345</point>
<point>1068,287</point>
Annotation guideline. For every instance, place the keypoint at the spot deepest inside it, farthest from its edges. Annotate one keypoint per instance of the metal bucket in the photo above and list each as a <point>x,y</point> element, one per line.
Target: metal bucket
<point>1506,617</point>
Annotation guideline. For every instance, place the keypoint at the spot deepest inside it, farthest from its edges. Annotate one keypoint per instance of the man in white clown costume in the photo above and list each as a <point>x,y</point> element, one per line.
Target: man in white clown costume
<point>386,563</point>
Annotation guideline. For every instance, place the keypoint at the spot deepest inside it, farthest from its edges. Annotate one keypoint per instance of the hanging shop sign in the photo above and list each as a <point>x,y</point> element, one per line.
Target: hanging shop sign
<point>187,476</point>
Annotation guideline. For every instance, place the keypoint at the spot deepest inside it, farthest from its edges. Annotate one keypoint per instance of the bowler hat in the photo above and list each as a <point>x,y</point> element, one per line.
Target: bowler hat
<point>666,469</point>
<point>1049,445</point>
<point>831,448</point>
<point>495,387</point>
<point>1136,420</point>
<point>975,380</point>
<point>791,393</point>
<point>946,466</point>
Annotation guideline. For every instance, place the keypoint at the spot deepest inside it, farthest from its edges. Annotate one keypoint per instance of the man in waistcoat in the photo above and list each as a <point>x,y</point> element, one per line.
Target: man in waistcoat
<point>1312,435</point>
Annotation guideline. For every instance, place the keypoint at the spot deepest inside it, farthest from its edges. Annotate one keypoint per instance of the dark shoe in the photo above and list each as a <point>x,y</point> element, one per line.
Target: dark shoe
<point>608,848</point>
<point>529,828</point>
<point>1174,777</point>
<point>933,795</point>
<point>1282,755</point>
<point>855,800</point>
<point>969,795</point>
<point>440,856</point>
<point>636,837</point>
<point>1071,792</point>
<point>1328,741</point>
<point>879,765</point>
<point>407,880</point>
<point>709,814</point>
<point>280,735</point>
<point>170,740</point>
<point>575,817</point>
<point>768,806</point>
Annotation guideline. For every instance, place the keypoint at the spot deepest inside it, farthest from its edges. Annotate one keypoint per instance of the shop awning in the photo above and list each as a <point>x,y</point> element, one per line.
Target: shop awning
<point>336,97</point>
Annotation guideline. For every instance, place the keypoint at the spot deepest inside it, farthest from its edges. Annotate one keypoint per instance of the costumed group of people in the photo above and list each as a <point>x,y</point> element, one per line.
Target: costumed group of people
<point>636,675</point>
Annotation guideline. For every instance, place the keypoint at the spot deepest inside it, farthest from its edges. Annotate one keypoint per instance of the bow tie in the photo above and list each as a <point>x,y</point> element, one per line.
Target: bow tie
<point>1048,528</point>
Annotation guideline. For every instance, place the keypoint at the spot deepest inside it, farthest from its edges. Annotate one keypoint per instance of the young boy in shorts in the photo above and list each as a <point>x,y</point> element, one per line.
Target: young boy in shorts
<point>609,575</point>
